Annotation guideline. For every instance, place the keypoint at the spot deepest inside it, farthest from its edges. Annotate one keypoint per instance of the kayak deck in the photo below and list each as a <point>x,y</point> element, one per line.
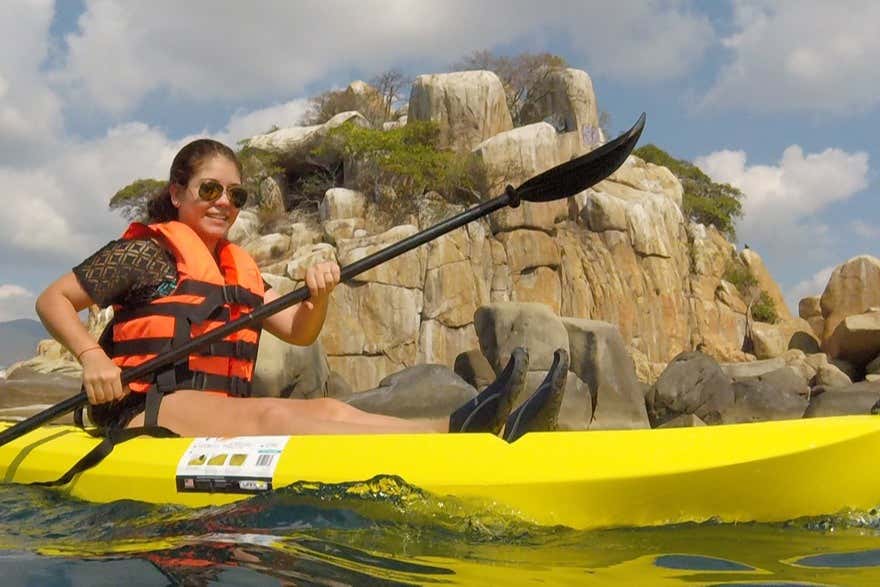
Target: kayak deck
<point>770,471</point>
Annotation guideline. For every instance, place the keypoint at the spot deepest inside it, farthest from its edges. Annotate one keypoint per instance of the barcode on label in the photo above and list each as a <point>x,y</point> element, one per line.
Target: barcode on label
<point>265,460</point>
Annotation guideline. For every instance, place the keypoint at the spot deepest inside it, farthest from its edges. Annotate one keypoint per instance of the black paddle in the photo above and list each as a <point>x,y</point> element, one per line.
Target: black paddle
<point>560,182</point>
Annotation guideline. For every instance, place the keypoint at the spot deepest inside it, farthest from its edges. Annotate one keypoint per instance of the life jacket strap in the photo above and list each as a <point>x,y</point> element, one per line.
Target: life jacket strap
<point>180,376</point>
<point>104,448</point>
<point>238,349</point>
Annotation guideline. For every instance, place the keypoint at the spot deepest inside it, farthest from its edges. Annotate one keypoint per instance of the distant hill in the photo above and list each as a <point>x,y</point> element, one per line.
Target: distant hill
<point>18,339</point>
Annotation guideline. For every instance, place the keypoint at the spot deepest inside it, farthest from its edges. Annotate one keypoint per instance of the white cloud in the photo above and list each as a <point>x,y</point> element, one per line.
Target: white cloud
<point>15,302</point>
<point>809,55</point>
<point>244,125</point>
<point>59,210</point>
<point>865,230</point>
<point>781,201</point>
<point>124,50</point>
<point>662,40</point>
<point>812,286</point>
<point>30,112</point>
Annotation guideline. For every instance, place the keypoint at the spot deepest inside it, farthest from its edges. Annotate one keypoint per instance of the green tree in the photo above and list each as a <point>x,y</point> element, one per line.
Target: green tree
<point>131,201</point>
<point>704,201</point>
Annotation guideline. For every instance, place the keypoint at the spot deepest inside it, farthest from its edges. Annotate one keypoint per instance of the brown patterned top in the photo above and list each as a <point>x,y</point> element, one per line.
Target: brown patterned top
<point>128,272</point>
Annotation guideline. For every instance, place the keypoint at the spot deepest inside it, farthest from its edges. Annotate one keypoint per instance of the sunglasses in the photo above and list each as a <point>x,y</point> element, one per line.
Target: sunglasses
<point>211,190</point>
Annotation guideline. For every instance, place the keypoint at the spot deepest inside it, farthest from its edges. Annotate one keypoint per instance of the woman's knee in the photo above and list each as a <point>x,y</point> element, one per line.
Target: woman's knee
<point>327,408</point>
<point>272,418</point>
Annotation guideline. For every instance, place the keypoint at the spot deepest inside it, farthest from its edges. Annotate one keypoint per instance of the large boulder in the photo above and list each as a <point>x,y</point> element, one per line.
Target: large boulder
<point>752,368</point>
<point>810,309</point>
<point>407,270</point>
<point>297,145</point>
<point>307,256</point>
<point>599,359</point>
<point>576,411</point>
<point>648,177</point>
<point>513,157</point>
<point>269,249</point>
<point>341,203</point>
<point>469,106</point>
<point>771,340</point>
<point>245,228</point>
<point>372,330</point>
<point>566,96</point>
<point>286,370</point>
<point>853,288</point>
<point>693,383</point>
<point>828,375</point>
<point>421,391</point>
<point>858,398</point>
<point>856,339</point>
<point>473,367</point>
<point>778,395</point>
<point>504,326</point>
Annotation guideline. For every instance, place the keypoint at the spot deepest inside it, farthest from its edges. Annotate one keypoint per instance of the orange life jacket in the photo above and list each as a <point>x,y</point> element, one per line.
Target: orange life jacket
<point>206,297</point>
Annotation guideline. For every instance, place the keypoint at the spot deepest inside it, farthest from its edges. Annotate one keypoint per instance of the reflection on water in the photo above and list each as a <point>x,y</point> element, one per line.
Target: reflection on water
<point>385,532</point>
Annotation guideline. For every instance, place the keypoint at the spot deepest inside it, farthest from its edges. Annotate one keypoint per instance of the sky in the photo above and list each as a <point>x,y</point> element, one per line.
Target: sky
<point>781,99</point>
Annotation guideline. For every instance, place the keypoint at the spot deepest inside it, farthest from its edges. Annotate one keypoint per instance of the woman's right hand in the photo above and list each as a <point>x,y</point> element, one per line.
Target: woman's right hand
<point>101,377</point>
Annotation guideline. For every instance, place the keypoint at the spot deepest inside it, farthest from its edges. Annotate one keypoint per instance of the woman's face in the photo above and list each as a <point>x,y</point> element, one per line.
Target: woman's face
<point>210,220</point>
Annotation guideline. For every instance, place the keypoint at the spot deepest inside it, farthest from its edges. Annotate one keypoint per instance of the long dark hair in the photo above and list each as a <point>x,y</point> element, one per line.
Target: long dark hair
<point>185,164</point>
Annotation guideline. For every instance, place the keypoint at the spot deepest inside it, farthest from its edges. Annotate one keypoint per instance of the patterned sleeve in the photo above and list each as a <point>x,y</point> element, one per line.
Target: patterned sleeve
<point>126,271</point>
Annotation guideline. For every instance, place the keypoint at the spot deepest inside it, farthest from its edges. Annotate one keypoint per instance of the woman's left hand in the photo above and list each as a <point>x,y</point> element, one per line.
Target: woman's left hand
<point>321,279</point>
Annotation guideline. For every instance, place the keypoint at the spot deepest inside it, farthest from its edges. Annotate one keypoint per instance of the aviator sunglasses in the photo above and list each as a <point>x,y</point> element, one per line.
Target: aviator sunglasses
<point>210,190</point>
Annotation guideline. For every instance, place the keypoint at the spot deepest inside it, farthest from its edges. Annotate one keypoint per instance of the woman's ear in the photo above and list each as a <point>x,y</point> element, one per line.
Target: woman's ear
<point>176,191</point>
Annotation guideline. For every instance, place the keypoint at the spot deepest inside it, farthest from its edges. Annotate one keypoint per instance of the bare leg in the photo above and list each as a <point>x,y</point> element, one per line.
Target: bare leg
<point>193,413</point>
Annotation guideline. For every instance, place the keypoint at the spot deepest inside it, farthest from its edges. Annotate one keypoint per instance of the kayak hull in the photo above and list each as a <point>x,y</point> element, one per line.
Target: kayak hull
<point>765,472</point>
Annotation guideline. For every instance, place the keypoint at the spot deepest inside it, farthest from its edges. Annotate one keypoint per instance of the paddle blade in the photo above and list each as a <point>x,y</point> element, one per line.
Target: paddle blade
<point>578,174</point>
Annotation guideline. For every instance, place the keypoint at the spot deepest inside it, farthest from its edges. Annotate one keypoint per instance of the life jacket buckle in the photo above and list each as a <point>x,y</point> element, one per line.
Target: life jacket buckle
<point>199,381</point>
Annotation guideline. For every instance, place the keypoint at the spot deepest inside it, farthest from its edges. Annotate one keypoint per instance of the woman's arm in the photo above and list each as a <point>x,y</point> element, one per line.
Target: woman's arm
<point>301,323</point>
<point>57,307</point>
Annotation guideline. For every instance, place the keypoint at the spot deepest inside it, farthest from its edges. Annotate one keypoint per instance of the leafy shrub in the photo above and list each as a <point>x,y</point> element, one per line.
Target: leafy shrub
<point>739,275</point>
<point>704,201</point>
<point>131,201</point>
<point>395,165</point>
<point>762,307</point>
<point>764,310</point>
<point>257,164</point>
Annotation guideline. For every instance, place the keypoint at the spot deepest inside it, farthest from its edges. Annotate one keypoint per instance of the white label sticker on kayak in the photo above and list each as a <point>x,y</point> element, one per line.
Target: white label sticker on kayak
<point>243,464</point>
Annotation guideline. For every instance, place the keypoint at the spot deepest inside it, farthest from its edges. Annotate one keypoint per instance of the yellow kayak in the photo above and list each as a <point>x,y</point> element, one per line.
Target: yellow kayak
<point>766,472</point>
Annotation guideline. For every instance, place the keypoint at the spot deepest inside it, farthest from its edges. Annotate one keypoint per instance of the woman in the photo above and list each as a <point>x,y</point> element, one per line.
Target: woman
<point>178,277</point>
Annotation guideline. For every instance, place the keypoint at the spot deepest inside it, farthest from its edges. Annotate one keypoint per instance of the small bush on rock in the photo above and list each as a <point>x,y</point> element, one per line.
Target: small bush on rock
<point>398,165</point>
<point>764,310</point>
<point>762,307</point>
<point>131,201</point>
<point>704,200</point>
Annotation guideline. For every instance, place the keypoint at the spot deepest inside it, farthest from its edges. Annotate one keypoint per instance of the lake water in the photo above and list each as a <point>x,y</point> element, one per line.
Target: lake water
<point>388,533</point>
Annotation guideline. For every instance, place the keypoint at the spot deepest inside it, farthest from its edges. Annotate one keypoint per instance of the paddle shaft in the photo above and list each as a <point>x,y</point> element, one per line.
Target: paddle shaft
<point>285,301</point>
